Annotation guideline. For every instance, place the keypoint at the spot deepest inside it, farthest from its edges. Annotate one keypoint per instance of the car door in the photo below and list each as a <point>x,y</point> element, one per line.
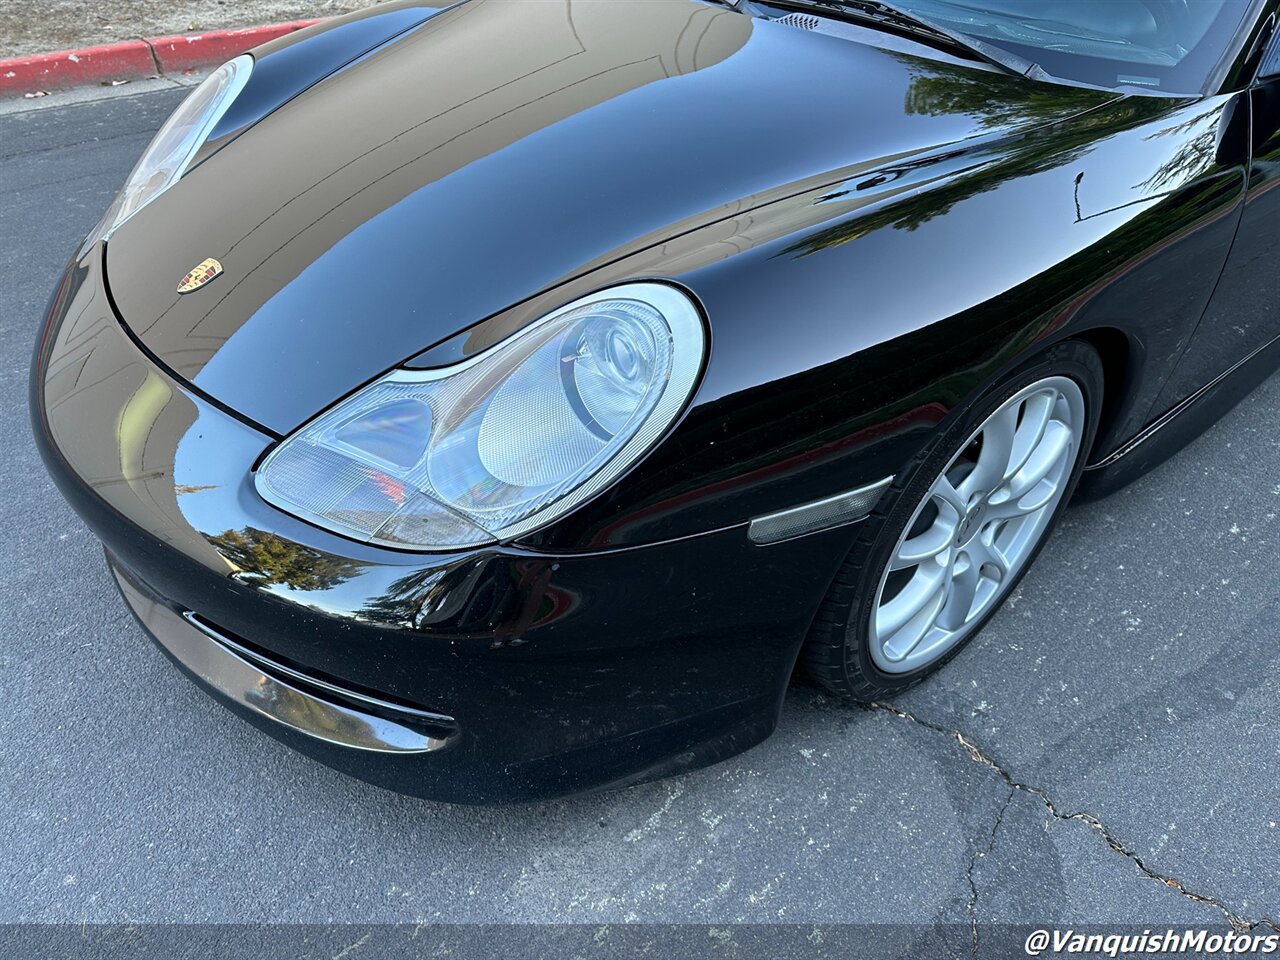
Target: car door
<point>1243,315</point>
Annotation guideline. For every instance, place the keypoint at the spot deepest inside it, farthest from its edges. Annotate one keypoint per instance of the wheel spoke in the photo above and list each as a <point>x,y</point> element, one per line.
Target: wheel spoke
<point>917,597</point>
<point>908,636</point>
<point>924,546</point>
<point>1037,499</point>
<point>946,492</point>
<point>964,587</point>
<point>993,459</point>
<point>987,556</point>
<point>1036,412</point>
<point>1051,449</point>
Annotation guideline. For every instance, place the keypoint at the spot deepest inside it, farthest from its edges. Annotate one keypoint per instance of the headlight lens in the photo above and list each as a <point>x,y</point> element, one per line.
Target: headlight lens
<point>507,441</point>
<point>182,135</point>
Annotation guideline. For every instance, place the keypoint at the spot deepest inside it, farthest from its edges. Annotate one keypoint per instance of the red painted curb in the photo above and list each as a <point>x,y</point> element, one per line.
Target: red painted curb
<point>134,59</point>
<point>178,54</point>
<point>118,61</point>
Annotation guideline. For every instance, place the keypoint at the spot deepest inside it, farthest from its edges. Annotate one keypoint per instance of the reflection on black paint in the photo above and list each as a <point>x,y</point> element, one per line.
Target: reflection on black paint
<point>985,169</point>
<point>265,559</point>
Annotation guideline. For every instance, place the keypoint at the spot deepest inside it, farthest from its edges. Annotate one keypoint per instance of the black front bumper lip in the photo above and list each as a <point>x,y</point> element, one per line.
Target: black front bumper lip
<point>307,705</point>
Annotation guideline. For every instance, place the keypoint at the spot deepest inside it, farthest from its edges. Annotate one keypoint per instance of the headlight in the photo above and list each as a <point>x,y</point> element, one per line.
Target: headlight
<point>182,135</point>
<point>504,442</point>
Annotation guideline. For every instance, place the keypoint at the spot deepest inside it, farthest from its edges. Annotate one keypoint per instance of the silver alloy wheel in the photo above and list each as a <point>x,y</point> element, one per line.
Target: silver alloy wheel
<point>978,524</point>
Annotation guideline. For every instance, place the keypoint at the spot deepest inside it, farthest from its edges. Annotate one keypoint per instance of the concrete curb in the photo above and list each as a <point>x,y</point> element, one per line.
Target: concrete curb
<point>133,59</point>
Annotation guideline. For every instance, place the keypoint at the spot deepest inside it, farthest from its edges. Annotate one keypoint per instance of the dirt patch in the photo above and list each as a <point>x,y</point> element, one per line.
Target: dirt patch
<point>42,26</point>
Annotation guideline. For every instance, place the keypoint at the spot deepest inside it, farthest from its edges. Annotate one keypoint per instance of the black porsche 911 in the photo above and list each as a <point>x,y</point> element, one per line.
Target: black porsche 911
<point>499,400</point>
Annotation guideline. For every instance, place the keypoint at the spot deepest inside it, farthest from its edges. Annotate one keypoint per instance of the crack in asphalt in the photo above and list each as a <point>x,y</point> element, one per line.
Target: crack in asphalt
<point>972,906</point>
<point>974,752</point>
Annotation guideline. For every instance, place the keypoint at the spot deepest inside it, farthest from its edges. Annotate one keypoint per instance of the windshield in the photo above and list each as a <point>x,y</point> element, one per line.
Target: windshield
<point>1172,46</point>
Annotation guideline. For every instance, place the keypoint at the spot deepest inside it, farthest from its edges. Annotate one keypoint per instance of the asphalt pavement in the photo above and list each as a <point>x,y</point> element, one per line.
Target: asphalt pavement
<point>1107,751</point>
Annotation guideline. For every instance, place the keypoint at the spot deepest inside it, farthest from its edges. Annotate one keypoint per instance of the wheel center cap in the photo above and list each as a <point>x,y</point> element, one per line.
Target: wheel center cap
<point>970,524</point>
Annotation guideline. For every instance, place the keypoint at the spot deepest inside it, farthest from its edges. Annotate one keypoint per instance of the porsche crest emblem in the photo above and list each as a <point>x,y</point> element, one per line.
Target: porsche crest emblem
<point>201,274</point>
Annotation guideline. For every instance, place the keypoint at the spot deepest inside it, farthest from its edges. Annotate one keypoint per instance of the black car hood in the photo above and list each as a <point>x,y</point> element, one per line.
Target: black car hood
<point>500,149</point>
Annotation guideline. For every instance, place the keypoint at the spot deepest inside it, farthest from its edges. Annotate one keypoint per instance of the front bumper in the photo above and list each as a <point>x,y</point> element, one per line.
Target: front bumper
<point>488,675</point>
<point>272,691</point>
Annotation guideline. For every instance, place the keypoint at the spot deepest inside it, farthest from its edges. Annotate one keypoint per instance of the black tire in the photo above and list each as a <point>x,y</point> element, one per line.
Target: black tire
<point>837,652</point>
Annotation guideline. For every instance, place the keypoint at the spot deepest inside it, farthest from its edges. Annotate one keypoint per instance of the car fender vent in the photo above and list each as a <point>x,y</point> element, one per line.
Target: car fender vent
<point>802,21</point>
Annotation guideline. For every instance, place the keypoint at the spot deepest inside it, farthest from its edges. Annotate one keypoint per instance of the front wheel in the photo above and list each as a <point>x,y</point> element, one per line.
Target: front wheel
<point>957,530</point>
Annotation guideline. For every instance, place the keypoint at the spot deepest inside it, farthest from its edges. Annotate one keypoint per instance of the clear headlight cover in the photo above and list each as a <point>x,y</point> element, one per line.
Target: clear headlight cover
<point>182,135</point>
<point>504,442</point>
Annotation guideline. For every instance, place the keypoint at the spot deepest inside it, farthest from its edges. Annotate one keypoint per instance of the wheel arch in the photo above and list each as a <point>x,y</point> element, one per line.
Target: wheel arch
<point>1121,356</point>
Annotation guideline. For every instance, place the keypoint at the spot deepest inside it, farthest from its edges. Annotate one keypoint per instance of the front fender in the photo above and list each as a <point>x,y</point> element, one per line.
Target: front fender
<point>849,321</point>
